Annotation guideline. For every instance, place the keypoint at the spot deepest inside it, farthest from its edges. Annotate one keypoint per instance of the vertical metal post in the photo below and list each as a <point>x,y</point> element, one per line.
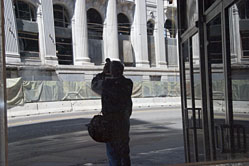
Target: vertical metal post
<point>3,111</point>
<point>203,55</point>
<point>183,95</point>
<point>227,75</point>
<point>195,139</point>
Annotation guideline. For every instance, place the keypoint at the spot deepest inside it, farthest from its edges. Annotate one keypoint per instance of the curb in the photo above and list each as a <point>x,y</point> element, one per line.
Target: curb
<point>40,108</point>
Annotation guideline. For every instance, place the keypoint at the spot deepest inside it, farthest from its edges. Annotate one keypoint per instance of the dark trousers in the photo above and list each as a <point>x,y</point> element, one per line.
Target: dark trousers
<point>118,153</point>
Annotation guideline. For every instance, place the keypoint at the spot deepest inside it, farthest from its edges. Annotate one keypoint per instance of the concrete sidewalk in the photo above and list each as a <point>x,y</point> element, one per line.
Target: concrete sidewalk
<point>39,108</point>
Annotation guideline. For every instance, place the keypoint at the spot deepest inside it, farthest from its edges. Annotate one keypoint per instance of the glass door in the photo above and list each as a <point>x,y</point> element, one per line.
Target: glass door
<point>192,103</point>
<point>216,85</point>
<point>215,82</point>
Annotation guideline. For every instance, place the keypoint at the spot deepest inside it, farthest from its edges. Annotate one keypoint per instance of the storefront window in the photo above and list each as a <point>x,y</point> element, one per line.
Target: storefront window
<point>238,35</point>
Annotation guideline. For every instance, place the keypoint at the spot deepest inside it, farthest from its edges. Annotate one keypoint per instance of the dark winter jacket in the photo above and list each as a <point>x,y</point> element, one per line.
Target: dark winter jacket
<point>116,102</point>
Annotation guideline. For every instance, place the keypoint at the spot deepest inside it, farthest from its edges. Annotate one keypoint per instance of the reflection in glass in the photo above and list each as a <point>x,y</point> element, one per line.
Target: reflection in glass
<point>187,73</point>
<point>208,3</point>
<point>193,98</point>
<point>189,13</point>
<point>188,106</point>
<point>195,53</point>
<point>216,83</point>
<point>192,12</point>
<point>239,42</point>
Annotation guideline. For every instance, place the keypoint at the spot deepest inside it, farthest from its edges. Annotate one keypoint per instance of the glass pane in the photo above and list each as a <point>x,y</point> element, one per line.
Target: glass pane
<point>208,3</point>
<point>216,76</point>
<point>64,50</point>
<point>60,16</point>
<point>28,42</point>
<point>187,74</point>
<point>24,11</point>
<point>189,13</point>
<point>197,94</point>
<point>239,41</point>
<point>23,6</point>
<point>189,107</point>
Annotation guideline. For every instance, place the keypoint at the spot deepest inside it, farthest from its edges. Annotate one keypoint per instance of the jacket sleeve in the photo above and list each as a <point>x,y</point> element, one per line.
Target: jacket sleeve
<point>97,83</point>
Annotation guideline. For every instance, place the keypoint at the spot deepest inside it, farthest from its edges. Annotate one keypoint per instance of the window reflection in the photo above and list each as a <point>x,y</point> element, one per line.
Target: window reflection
<point>239,41</point>
<point>208,3</point>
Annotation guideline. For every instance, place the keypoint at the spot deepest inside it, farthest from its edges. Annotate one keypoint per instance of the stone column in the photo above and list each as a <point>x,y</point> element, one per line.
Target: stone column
<point>236,51</point>
<point>110,34</point>
<point>11,37</point>
<point>81,56</point>
<point>139,34</point>
<point>159,36</point>
<point>47,41</point>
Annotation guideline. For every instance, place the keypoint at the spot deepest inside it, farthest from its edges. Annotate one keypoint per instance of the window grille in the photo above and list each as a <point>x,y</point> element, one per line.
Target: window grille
<point>124,26</point>
<point>64,50</point>
<point>61,18</point>
<point>28,43</point>
<point>24,11</point>
<point>94,24</point>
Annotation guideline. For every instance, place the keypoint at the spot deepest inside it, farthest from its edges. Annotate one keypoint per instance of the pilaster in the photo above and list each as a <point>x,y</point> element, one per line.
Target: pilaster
<point>45,19</point>
<point>11,37</point>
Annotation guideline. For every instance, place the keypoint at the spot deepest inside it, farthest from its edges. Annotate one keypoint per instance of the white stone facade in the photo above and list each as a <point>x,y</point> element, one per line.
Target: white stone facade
<point>138,12</point>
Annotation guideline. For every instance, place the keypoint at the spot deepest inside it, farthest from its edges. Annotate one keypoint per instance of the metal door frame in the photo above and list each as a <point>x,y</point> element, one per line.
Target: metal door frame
<point>3,109</point>
<point>218,7</point>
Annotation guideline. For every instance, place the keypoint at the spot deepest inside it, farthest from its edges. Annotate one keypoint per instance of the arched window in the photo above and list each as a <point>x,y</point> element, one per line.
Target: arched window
<point>124,26</point>
<point>27,37</point>
<point>150,28</point>
<point>170,27</point>
<point>95,36</point>
<point>94,24</point>
<point>24,11</point>
<point>63,35</point>
<point>61,17</point>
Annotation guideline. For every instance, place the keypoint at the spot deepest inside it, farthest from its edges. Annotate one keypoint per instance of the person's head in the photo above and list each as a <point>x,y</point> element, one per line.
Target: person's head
<point>107,66</point>
<point>117,69</point>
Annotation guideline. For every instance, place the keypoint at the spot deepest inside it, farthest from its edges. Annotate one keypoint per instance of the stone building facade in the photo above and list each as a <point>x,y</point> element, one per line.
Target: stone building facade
<point>69,39</point>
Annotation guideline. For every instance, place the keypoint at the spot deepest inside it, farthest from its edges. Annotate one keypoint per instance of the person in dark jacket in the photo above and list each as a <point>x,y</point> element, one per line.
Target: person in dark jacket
<point>116,102</point>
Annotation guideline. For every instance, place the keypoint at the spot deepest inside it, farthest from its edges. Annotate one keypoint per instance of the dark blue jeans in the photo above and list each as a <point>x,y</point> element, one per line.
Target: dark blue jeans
<point>118,153</point>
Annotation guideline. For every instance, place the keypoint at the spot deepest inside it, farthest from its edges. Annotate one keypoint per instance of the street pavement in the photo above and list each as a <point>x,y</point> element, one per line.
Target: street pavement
<point>62,139</point>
